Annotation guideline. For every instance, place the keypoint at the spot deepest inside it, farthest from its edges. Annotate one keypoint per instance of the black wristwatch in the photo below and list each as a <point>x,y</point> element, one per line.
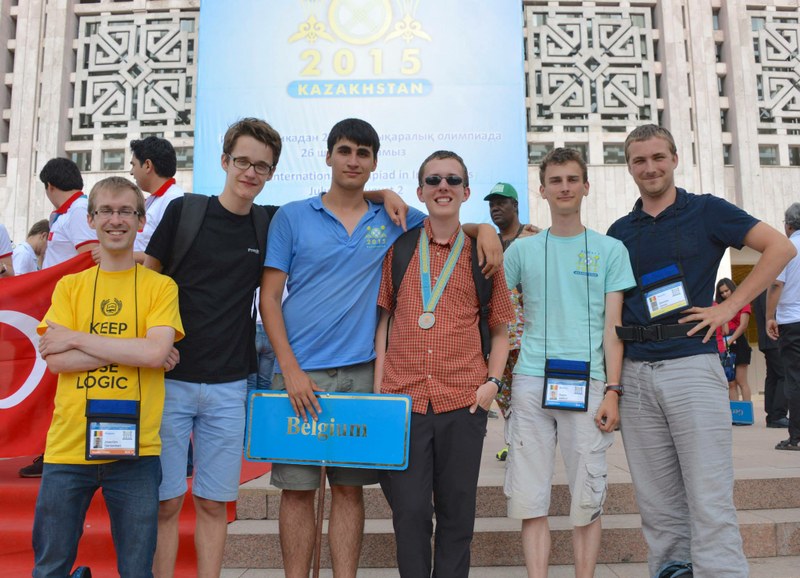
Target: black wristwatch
<point>496,381</point>
<point>618,389</point>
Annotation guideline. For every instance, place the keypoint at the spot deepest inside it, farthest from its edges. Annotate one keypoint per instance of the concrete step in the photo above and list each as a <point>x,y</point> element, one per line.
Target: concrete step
<point>765,533</point>
<point>259,501</point>
<point>783,567</point>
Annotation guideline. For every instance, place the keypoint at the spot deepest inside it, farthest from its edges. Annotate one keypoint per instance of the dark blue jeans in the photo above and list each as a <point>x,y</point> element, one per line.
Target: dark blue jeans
<point>266,362</point>
<point>130,490</point>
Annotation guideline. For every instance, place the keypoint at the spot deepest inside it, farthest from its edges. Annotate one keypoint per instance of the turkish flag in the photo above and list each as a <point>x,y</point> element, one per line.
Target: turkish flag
<point>27,388</point>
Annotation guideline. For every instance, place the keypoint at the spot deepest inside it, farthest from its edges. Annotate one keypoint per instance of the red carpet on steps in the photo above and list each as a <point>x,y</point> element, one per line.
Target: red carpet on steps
<point>17,502</point>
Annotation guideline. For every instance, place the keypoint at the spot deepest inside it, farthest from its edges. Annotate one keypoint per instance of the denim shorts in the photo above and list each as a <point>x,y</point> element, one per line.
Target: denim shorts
<point>355,378</point>
<point>214,415</point>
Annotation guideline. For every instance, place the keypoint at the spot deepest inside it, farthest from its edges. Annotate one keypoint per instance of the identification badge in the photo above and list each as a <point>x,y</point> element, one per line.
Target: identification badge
<point>664,292</point>
<point>112,429</point>
<point>566,385</point>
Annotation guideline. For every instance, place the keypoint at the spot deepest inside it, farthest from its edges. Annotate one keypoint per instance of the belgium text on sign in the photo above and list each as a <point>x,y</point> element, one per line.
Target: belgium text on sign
<point>354,430</point>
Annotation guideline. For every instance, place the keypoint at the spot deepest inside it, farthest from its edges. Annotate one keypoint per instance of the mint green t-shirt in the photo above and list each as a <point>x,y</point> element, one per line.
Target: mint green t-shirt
<point>570,315</point>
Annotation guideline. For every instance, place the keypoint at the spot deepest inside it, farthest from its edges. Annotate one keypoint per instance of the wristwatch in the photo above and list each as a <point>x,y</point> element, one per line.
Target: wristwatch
<point>618,389</point>
<point>496,381</point>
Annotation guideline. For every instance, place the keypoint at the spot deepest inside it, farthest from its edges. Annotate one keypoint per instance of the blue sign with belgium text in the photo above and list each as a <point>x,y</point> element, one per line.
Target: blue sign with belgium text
<point>354,430</point>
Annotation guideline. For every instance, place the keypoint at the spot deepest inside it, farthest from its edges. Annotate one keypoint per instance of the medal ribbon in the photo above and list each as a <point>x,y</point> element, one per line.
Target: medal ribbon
<point>431,298</point>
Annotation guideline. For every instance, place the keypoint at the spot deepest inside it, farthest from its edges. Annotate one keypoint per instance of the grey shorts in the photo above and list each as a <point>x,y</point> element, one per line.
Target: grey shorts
<point>353,378</point>
<point>532,435</point>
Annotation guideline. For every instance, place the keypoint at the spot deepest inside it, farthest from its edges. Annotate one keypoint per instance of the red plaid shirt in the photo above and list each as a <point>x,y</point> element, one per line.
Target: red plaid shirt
<point>442,365</point>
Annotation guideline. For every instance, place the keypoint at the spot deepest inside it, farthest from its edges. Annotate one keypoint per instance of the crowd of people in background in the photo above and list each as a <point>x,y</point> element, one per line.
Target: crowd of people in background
<point>196,300</point>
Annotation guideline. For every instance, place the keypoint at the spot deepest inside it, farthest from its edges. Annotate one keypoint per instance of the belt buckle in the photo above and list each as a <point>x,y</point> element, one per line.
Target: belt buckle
<point>649,333</point>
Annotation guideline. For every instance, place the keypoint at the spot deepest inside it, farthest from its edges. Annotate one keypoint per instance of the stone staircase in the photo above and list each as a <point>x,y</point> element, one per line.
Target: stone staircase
<point>767,497</point>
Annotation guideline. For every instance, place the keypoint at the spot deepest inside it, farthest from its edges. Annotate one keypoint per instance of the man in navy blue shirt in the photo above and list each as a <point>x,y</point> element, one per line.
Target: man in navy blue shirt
<point>675,415</point>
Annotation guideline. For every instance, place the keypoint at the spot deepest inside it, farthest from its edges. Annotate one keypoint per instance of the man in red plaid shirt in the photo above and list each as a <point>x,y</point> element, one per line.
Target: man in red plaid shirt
<point>434,355</point>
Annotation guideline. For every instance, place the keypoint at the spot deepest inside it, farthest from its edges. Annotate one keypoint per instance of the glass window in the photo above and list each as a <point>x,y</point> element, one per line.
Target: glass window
<point>614,154</point>
<point>112,160</point>
<point>726,155</point>
<point>83,159</point>
<point>794,156</point>
<point>536,152</point>
<point>581,147</point>
<point>185,157</point>
<point>768,155</point>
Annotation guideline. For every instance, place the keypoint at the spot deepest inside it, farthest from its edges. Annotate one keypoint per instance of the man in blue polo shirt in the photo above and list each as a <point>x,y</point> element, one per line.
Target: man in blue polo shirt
<point>675,415</point>
<point>328,250</point>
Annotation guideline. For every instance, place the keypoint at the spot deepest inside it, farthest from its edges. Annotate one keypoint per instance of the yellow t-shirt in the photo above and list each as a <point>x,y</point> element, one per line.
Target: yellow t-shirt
<point>106,303</point>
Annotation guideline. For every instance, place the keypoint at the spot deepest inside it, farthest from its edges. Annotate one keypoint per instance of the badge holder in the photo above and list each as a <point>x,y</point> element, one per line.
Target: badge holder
<point>664,292</point>
<point>112,429</point>
<point>566,385</point>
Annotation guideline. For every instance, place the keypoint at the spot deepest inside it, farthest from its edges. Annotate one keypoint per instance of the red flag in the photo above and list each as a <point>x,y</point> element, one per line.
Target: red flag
<point>27,388</point>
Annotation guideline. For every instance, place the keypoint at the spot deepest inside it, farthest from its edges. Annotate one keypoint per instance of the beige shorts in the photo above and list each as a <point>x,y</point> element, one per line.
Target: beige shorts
<point>355,378</point>
<point>532,435</point>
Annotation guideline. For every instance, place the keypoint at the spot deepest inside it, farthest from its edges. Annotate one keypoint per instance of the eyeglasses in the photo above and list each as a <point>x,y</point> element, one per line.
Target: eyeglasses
<point>124,213</point>
<point>261,168</point>
<point>452,180</point>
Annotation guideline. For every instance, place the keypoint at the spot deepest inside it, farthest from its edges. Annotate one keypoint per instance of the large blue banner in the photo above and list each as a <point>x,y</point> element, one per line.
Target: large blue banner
<point>427,74</point>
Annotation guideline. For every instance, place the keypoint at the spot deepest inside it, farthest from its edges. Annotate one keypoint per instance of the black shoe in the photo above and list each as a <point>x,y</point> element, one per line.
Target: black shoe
<point>33,470</point>
<point>779,423</point>
<point>789,444</point>
<point>82,572</point>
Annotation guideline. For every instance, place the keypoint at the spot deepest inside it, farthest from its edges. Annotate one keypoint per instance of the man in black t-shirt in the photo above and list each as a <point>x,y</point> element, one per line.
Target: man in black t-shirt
<point>205,393</point>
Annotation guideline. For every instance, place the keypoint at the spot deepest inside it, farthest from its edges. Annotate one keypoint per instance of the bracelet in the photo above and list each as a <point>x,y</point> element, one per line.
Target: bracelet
<point>618,389</point>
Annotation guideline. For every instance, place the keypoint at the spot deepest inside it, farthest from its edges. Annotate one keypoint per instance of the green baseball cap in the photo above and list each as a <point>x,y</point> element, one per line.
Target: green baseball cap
<point>502,190</point>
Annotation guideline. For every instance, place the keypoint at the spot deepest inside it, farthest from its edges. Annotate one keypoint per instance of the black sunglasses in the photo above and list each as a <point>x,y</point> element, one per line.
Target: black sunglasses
<point>452,180</point>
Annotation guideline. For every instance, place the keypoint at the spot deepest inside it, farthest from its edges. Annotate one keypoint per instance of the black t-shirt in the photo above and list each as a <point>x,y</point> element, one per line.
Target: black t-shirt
<point>216,282</point>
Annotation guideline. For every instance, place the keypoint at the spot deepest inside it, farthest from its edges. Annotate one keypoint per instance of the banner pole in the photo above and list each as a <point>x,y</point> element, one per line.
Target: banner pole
<point>320,514</point>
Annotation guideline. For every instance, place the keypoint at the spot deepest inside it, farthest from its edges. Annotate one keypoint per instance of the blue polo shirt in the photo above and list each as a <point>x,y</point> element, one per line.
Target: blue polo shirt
<point>331,311</point>
<point>694,232</point>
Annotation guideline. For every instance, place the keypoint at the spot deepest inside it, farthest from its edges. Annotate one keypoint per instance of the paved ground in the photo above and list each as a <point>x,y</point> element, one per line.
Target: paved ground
<point>754,458</point>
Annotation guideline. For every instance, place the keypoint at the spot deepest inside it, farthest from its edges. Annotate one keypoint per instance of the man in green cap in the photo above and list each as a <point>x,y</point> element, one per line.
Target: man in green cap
<point>504,209</point>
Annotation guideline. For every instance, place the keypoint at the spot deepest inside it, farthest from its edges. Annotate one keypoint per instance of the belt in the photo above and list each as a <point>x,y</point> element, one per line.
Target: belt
<point>642,333</point>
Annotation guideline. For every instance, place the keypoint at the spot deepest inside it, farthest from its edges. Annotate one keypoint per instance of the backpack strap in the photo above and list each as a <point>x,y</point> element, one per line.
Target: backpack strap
<point>193,212</point>
<point>483,287</point>
<point>403,250</point>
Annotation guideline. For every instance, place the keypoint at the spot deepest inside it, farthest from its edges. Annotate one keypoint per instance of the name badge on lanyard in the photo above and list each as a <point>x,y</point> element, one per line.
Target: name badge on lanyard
<point>566,385</point>
<point>112,429</point>
<point>664,292</point>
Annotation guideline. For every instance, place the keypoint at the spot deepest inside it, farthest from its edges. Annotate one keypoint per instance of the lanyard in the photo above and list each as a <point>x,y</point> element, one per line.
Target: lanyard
<point>430,297</point>
<point>588,314</point>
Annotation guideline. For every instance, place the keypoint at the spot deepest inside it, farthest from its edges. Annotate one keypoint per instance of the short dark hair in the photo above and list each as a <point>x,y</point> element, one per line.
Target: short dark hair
<point>62,174</point>
<point>117,185</point>
<point>792,216</point>
<point>259,129</point>
<point>726,283</point>
<point>39,227</point>
<point>158,151</point>
<point>562,156</point>
<point>646,132</point>
<point>441,155</point>
<point>354,129</point>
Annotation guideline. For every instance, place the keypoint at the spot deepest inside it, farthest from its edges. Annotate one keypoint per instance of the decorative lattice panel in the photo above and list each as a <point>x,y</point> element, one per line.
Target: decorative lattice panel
<point>135,70</point>
<point>591,60</point>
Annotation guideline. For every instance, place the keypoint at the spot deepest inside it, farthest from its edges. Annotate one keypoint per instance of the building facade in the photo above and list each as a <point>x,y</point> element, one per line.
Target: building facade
<point>84,77</point>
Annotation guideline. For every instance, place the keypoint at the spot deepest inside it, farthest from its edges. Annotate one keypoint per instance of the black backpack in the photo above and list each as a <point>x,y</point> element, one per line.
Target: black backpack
<point>193,213</point>
<point>403,251</point>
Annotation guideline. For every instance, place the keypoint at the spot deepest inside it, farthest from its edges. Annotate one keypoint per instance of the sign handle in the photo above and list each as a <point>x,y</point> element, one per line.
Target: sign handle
<point>323,477</point>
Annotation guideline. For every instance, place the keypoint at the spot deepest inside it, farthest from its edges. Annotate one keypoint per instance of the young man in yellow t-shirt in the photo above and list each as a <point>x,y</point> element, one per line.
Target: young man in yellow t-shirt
<point>109,335</point>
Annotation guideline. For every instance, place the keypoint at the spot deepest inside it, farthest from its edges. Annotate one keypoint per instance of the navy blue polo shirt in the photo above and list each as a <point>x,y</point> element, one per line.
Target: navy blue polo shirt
<point>694,232</point>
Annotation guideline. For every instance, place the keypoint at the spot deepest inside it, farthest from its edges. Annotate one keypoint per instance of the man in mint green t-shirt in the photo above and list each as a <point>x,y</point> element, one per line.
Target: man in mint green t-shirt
<point>566,384</point>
